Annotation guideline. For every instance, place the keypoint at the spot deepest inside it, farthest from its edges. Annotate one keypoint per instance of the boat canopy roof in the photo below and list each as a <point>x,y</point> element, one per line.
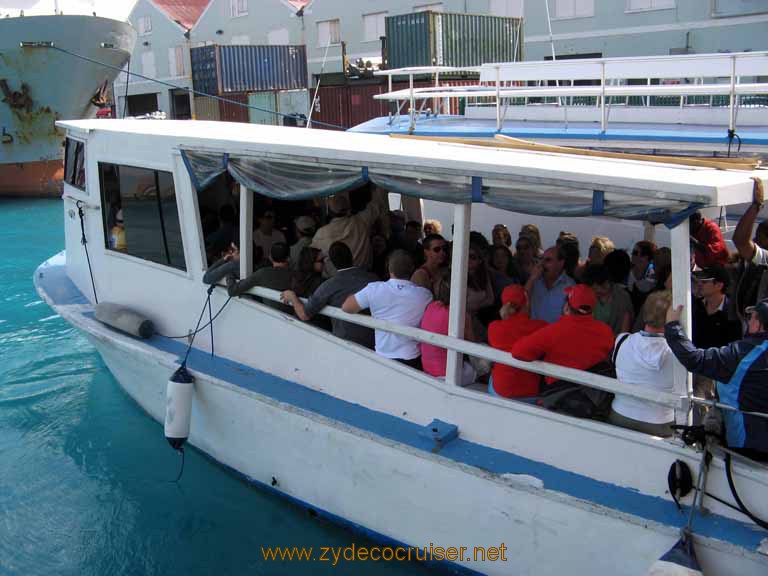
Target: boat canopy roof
<point>293,163</point>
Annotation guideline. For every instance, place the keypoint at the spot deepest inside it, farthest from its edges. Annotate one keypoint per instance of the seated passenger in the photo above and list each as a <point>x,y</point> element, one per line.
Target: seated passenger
<point>218,241</point>
<point>569,243</point>
<point>547,285</point>
<point>432,227</point>
<point>500,236</point>
<point>433,358</point>
<point>644,359</point>
<point>305,231</point>
<point>352,229</point>
<point>349,279</point>
<point>503,272</point>
<point>277,277</point>
<point>576,340</point>
<point>600,248</point>
<point>227,265</point>
<point>525,259</point>
<point>266,235</point>
<point>435,259</point>
<point>619,265</point>
<point>614,305</point>
<point>480,295</point>
<point>398,300</point>
<point>117,234</point>
<point>642,276</point>
<point>502,334</point>
<point>531,232</point>
<point>309,272</point>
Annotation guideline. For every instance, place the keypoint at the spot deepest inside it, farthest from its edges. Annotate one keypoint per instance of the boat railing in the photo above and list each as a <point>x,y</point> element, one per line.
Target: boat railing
<point>680,403</point>
<point>494,355</point>
<point>711,80</point>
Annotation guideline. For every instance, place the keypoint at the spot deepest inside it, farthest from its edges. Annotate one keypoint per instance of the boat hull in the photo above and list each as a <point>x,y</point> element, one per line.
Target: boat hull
<point>382,483</point>
<point>41,178</point>
<point>39,85</point>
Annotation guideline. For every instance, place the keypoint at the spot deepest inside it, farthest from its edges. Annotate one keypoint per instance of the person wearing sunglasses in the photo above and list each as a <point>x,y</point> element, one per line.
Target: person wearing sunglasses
<point>740,370</point>
<point>547,284</point>
<point>435,259</point>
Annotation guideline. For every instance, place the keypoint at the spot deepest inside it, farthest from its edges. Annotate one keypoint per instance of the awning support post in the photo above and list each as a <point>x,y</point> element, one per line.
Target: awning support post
<point>681,295</point>
<point>462,216</point>
<point>246,232</point>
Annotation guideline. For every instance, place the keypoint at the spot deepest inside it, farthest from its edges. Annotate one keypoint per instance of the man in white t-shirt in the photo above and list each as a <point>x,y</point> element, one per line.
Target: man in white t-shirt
<point>398,300</point>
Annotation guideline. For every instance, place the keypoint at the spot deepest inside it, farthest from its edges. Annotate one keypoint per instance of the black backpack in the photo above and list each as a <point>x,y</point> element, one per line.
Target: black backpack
<point>579,400</point>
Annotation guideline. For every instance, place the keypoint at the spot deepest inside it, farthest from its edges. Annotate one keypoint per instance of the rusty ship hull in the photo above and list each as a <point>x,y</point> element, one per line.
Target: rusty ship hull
<point>39,85</point>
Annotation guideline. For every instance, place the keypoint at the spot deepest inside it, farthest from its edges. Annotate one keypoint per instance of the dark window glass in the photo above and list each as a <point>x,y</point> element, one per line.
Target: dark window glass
<point>74,163</point>
<point>140,214</point>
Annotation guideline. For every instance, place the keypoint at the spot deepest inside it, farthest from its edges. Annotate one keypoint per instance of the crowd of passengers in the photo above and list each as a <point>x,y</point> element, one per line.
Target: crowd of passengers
<point>533,300</point>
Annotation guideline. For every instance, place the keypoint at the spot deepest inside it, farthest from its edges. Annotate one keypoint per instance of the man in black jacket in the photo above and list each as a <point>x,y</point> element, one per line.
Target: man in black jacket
<point>741,372</point>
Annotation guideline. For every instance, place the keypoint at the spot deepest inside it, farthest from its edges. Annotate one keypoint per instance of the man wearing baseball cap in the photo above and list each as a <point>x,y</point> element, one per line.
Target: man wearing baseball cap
<point>741,372</point>
<point>712,326</point>
<point>502,334</point>
<point>576,340</point>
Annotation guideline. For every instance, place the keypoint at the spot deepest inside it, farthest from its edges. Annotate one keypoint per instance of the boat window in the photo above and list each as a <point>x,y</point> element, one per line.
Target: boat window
<point>74,163</point>
<point>219,206</point>
<point>140,214</point>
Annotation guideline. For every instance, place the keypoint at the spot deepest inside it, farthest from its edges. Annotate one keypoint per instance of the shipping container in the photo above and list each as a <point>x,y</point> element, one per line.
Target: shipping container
<point>448,39</point>
<point>294,103</point>
<point>263,108</point>
<point>234,108</point>
<point>207,108</point>
<point>352,104</point>
<point>225,69</point>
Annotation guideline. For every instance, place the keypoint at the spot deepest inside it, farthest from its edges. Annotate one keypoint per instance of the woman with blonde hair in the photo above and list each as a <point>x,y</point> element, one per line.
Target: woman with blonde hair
<point>600,247</point>
<point>531,231</point>
<point>644,359</point>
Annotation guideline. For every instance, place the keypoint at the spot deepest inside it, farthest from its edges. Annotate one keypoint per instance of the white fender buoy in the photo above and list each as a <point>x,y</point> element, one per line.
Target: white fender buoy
<point>178,407</point>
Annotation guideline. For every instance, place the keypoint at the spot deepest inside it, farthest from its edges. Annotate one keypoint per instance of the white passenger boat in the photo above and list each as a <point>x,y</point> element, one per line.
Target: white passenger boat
<point>361,439</point>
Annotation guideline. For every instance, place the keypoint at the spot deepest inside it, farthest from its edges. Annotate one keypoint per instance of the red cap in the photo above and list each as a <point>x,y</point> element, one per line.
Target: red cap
<point>581,297</point>
<point>514,294</point>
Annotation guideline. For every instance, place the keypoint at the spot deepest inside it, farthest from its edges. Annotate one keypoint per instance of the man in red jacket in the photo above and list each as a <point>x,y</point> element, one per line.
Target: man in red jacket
<point>502,334</point>
<point>576,340</point>
<point>707,241</point>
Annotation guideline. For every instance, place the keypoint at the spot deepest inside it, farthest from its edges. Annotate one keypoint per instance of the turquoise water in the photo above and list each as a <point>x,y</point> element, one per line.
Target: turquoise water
<point>84,473</point>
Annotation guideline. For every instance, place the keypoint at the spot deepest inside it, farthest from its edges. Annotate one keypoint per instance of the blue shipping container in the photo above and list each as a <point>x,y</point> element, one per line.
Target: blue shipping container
<point>225,69</point>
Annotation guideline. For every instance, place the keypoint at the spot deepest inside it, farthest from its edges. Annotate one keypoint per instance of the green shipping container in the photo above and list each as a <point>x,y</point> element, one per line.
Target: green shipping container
<point>451,39</point>
<point>266,103</point>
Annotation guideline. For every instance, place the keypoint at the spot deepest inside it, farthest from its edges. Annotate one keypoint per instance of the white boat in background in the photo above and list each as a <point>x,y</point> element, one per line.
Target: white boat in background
<point>361,439</point>
<point>40,84</point>
<point>707,105</point>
